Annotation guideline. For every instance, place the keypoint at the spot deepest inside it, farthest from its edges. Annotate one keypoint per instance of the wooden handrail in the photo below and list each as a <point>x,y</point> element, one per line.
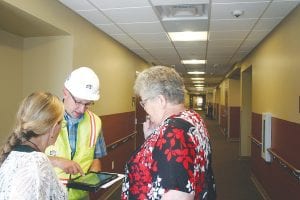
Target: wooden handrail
<point>284,163</point>
<point>121,141</point>
<point>256,141</point>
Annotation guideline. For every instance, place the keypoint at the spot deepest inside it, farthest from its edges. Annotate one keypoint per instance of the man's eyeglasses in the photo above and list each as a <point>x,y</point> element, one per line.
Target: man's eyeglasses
<point>78,103</point>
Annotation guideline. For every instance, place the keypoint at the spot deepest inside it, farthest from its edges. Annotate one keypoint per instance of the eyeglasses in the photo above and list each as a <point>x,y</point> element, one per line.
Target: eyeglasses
<point>78,103</point>
<point>143,102</point>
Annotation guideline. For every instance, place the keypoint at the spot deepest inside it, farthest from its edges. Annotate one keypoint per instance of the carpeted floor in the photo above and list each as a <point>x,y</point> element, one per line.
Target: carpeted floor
<point>232,175</point>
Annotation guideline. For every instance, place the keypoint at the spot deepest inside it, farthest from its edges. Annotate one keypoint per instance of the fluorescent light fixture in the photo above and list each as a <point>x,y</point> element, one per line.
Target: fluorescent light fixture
<point>199,85</point>
<point>188,36</point>
<point>193,62</point>
<point>198,78</point>
<point>196,72</point>
<point>198,81</point>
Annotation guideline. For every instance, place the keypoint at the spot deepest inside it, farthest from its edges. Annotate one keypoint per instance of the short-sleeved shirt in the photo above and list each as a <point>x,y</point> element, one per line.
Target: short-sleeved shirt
<point>175,157</point>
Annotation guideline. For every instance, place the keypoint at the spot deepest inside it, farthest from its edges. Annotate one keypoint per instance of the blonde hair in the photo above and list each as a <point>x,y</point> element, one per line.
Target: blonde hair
<point>37,114</point>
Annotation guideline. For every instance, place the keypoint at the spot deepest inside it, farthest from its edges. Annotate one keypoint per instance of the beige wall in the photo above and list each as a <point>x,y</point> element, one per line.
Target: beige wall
<point>42,62</point>
<point>216,95</point>
<point>223,90</point>
<point>10,80</point>
<point>114,64</point>
<point>46,63</point>
<point>209,97</point>
<point>275,71</point>
<point>234,93</point>
<point>186,100</point>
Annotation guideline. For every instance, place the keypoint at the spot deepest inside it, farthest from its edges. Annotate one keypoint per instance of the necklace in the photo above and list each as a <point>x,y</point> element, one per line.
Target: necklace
<point>36,147</point>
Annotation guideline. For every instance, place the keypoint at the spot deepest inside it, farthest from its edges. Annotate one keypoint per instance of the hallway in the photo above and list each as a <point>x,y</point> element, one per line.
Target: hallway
<point>232,175</point>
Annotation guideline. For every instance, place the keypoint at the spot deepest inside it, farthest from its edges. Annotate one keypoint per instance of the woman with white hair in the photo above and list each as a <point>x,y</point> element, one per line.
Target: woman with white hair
<point>175,160</point>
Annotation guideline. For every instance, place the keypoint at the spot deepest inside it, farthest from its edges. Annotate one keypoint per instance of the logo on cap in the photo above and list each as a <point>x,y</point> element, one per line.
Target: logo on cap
<point>89,86</point>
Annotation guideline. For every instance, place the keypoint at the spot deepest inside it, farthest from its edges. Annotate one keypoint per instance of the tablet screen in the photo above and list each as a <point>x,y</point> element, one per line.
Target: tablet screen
<point>93,178</point>
<point>91,181</point>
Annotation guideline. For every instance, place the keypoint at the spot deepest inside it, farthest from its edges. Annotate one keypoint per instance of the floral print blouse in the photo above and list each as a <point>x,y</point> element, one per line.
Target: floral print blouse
<point>176,156</point>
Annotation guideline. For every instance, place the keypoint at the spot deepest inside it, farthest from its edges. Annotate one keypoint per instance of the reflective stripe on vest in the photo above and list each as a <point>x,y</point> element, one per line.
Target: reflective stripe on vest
<point>93,129</point>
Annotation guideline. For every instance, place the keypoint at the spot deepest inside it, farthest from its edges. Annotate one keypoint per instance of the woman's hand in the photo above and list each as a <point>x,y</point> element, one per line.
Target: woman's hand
<point>148,127</point>
<point>175,194</point>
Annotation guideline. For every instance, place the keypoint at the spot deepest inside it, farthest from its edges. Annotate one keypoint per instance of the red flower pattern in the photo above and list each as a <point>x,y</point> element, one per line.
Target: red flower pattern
<point>175,156</point>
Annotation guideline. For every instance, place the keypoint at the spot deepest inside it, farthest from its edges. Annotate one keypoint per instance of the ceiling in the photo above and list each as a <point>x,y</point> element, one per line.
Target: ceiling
<point>234,28</point>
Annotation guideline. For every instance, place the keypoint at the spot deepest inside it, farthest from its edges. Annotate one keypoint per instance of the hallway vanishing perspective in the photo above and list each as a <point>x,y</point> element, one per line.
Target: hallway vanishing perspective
<point>232,174</point>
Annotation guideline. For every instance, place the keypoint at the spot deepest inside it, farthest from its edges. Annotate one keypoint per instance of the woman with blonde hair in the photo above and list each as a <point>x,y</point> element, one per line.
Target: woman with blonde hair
<point>25,171</point>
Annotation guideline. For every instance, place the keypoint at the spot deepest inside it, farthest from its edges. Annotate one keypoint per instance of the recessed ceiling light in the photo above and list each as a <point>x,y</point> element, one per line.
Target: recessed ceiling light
<point>198,78</point>
<point>200,81</point>
<point>196,72</point>
<point>193,62</point>
<point>188,36</point>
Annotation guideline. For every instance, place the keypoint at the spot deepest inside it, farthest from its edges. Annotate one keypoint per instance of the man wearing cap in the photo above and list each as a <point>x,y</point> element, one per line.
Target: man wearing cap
<point>80,144</point>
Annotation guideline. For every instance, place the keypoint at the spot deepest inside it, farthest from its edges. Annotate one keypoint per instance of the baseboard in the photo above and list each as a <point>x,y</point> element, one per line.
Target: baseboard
<point>259,187</point>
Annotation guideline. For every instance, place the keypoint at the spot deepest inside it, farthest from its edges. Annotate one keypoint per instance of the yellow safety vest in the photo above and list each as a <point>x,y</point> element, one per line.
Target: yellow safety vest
<point>87,134</point>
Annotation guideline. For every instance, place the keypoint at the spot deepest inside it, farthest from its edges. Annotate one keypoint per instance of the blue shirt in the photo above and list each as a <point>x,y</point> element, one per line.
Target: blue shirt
<point>72,126</point>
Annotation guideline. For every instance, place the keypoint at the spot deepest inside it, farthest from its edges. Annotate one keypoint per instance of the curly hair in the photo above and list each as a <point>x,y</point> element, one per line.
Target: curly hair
<point>160,80</point>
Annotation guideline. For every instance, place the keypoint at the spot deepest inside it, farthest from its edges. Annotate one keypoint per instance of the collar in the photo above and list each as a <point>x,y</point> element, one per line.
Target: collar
<point>24,148</point>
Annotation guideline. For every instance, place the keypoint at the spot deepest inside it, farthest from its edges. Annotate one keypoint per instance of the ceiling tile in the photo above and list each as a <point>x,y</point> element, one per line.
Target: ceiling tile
<point>78,4</point>
<point>129,15</point>
<point>146,27</point>
<point>257,35</point>
<point>190,44</point>
<point>186,25</point>
<point>220,49</point>
<point>232,25</point>
<point>224,43</point>
<point>151,44</point>
<point>119,4</point>
<point>227,35</point>
<point>159,52</point>
<point>192,53</point>
<point>267,23</point>
<point>110,29</point>
<point>280,8</point>
<point>250,10</point>
<point>153,37</point>
<point>95,17</point>
<point>176,2</point>
<point>238,1</point>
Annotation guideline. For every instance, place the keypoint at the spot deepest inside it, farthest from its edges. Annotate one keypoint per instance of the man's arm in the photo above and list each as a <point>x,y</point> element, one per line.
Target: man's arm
<point>96,165</point>
<point>100,151</point>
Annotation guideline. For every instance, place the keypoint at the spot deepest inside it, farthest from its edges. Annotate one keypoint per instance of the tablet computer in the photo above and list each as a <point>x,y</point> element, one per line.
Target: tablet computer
<point>92,181</point>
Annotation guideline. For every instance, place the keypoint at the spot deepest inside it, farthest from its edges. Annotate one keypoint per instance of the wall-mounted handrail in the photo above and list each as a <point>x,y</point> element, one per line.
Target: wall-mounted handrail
<point>285,164</point>
<point>256,141</point>
<point>120,141</point>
